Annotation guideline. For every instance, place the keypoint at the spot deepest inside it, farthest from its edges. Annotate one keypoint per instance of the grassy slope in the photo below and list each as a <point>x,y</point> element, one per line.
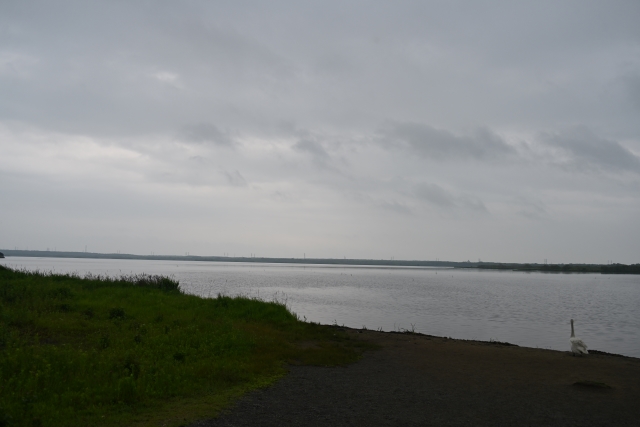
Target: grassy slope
<point>94,351</point>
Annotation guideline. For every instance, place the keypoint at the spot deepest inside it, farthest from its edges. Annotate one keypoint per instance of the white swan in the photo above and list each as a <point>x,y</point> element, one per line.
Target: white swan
<point>577,345</point>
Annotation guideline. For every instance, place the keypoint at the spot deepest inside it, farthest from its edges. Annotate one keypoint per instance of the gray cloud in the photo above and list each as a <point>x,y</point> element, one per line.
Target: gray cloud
<point>205,133</point>
<point>395,206</point>
<point>439,197</point>
<point>235,178</point>
<point>441,144</point>
<point>473,203</point>
<point>436,195</point>
<point>587,151</point>
<point>315,150</point>
<point>632,88</point>
<point>531,209</point>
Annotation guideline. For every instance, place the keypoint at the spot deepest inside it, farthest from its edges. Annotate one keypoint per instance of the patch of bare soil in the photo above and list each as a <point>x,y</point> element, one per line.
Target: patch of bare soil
<point>418,380</point>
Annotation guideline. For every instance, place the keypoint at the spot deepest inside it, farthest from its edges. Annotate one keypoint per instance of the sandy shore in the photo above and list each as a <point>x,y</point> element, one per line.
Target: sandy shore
<point>417,380</point>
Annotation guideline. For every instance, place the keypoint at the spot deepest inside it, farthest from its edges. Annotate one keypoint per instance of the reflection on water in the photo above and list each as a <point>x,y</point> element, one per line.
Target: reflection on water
<point>529,309</point>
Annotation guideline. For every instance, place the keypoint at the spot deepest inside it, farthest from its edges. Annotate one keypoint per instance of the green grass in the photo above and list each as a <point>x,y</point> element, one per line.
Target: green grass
<point>136,351</point>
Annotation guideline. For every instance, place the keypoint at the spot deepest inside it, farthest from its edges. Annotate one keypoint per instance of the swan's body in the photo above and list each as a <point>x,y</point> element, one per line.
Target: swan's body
<point>577,345</point>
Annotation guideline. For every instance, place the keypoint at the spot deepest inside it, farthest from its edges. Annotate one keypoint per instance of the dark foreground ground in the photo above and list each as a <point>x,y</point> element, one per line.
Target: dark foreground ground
<point>416,380</point>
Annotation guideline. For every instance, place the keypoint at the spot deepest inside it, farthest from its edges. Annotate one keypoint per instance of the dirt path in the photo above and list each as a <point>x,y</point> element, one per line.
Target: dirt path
<point>416,380</point>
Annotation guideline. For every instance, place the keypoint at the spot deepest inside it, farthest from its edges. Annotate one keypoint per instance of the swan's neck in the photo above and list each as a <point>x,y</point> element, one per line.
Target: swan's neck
<point>573,335</point>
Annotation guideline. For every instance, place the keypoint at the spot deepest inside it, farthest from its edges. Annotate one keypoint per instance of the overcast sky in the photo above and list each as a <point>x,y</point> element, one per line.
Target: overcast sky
<point>493,130</point>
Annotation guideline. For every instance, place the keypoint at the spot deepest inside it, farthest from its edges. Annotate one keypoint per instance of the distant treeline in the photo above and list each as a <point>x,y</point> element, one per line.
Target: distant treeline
<point>565,268</point>
<point>551,268</point>
<point>621,269</point>
<point>332,261</point>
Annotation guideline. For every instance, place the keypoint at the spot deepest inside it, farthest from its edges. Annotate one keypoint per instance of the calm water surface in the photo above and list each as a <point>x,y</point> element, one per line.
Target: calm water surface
<point>528,309</point>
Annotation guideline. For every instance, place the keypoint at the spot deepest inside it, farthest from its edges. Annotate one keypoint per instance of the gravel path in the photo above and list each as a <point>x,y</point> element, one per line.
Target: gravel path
<point>416,380</point>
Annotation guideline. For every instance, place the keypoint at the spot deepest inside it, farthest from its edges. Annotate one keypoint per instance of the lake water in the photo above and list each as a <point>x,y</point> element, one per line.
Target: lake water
<point>528,309</point>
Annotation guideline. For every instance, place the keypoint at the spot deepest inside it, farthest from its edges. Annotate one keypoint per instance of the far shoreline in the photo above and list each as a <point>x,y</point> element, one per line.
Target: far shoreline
<point>525,267</point>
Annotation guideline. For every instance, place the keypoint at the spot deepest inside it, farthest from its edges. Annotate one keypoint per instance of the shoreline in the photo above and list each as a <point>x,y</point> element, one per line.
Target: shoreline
<point>567,268</point>
<point>490,342</point>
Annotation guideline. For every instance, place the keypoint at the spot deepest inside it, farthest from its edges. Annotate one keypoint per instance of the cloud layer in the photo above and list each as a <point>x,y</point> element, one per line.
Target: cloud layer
<point>454,130</point>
